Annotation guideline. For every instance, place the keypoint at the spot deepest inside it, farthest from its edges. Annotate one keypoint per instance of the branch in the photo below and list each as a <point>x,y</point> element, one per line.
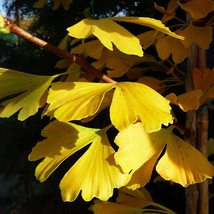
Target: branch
<point>80,60</point>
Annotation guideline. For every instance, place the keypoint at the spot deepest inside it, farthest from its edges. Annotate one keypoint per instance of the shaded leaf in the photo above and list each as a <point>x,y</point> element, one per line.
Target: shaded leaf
<point>201,35</point>
<point>167,45</point>
<point>188,101</point>
<point>129,202</point>
<point>197,8</point>
<point>210,146</point>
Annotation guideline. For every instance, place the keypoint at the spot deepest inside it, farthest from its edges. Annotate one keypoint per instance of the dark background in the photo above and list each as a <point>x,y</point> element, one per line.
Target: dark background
<point>20,192</point>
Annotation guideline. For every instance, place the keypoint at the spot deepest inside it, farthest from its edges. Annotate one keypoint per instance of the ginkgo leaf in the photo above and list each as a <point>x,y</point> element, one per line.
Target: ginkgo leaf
<point>170,12</point>
<point>137,154</point>
<point>156,84</point>
<point>133,101</point>
<point>93,49</point>
<point>139,150</point>
<point>149,22</point>
<point>65,3</point>
<point>107,207</point>
<point>129,202</point>
<point>203,79</point>
<point>78,100</point>
<point>197,8</point>
<point>119,66</point>
<point>33,89</point>
<point>95,172</point>
<point>149,38</point>
<point>201,35</point>
<point>182,163</point>
<point>109,33</point>
<point>2,23</point>
<point>167,45</point>
<point>75,101</point>
<point>188,101</point>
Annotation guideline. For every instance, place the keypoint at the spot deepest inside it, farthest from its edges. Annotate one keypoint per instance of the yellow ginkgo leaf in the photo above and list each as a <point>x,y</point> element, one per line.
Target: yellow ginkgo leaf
<point>156,84</point>
<point>33,89</point>
<point>65,3</point>
<point>168,45</point>
<point>93,49</point>
<point>133,101</point>
<point>2,24</point>
<point>169,13</point>
<point>109,33</point>
<point>118,66</point>
<point>182,163</point>
<point>107,207</point>
<point>149,22</point>
<point>75,101</point>
<point>95,173</point>
<point>197,8</point>
<point>149,38</point>
<point>201,35</point>
<point>129,202</point>
<point>139,151</point>
<point>188,101</point>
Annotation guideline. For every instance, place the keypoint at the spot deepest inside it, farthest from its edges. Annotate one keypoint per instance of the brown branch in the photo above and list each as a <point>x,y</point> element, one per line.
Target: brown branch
<point>80,60</point>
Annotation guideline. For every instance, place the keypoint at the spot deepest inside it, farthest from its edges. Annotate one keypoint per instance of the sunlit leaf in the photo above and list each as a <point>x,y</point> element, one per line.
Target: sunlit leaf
<point>75,101</point>
<point>30,91</point>
<point>139,151</point>
<point>188,101</point>
<point>133,101</point>
<point>109,33</point>
<point>95,172</point>
<point>2,23</point>
<point>197,8</point>
<point>201,35</point>
<point>167,45</point>
<point>182,163</point>
<point>149,22</point>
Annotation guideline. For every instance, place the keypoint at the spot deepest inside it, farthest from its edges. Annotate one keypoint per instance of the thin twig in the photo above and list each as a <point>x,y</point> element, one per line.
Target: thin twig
<point>80,60</point>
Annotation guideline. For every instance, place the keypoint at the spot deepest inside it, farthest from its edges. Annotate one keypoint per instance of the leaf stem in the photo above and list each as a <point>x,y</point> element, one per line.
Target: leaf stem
<point>80,60</point>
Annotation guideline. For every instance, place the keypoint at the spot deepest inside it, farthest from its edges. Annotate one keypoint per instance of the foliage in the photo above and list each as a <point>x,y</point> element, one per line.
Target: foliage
<point>139,106</point>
